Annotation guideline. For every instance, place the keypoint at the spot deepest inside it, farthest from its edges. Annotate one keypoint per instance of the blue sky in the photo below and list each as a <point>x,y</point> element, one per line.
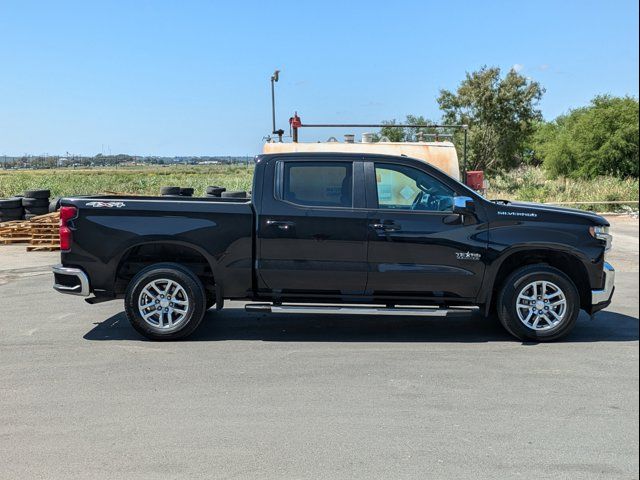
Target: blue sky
<point>192,77</point>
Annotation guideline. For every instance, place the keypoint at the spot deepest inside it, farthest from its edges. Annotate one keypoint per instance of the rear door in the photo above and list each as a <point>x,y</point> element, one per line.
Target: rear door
<point>312,228</point>
<point>418,248</point>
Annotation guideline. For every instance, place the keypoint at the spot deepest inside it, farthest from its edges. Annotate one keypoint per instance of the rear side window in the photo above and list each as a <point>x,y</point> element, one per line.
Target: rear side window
<point>318,184</point>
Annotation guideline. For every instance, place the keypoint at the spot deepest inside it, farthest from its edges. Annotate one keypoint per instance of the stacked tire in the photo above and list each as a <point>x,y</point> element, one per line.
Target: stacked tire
<point>214,191</point>
<point>234,194</point>
<point>35,202</point>
<point>170,191</point>
<point>11,209</point>
<point>176,192</point>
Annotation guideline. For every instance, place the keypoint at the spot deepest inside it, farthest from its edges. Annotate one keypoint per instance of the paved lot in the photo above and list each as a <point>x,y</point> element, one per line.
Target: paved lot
<point>252,396</point>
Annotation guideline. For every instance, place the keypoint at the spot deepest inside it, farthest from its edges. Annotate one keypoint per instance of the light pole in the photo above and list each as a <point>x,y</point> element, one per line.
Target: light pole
<point>274,78</point>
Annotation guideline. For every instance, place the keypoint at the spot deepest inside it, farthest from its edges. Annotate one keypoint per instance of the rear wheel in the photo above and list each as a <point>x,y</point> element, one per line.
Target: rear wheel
<point>165,301</point>
<point>538,303</point>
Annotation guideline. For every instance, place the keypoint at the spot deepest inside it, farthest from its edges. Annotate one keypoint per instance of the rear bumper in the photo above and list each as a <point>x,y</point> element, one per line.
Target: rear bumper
<point>71,281</point>
<point>602,298</point>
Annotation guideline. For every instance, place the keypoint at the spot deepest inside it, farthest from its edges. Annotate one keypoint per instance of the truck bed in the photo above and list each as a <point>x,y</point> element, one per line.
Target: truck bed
<point>111,229</point>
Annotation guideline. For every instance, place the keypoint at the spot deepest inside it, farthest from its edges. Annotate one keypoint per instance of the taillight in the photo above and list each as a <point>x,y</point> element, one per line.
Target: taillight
<point>66,214</point>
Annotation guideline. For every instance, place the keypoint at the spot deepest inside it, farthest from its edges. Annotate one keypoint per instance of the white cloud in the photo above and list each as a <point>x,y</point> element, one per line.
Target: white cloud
<point>517,67</point>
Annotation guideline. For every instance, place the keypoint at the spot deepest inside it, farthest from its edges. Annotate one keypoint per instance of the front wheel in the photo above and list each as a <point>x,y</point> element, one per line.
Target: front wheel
<point>538,303</point>
<point>165,301</point>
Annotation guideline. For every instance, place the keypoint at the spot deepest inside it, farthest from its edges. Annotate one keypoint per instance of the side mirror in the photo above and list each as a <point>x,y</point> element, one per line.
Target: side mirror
<point>463,205</point>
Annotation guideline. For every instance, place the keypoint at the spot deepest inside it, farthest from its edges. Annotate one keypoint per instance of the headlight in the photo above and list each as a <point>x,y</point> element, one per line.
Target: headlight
<point>602,233</point>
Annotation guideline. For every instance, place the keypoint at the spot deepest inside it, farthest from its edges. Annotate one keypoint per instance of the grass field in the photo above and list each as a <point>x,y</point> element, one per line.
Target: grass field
<point>528,184</point>
<point>532,185</point>
<point>141,181</point>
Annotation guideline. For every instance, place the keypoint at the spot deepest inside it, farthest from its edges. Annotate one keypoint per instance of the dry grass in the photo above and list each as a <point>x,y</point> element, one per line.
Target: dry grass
<point>532,185</point>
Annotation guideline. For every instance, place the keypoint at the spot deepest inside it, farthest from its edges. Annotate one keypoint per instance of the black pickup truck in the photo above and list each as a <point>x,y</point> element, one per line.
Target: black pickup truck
<point>337,233</point>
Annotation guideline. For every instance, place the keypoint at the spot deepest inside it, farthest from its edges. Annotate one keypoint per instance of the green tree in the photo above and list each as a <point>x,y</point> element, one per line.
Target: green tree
<point>409,134</point>
<point>501,114</point>
<point>600,139</point>
<point>391,133</point>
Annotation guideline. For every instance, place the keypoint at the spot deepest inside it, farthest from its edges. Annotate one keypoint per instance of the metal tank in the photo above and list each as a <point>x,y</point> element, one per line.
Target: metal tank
<point>439,154</point>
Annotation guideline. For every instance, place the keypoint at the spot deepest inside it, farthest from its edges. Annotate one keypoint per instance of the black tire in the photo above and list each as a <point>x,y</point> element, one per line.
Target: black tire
<point>37,194</point>
<point>170,191</point>
<point>29,216</point>
<point>11,212</point>
<point>186,192</point>
<point>184,277</point>
<point>10,218</point>
<point>234,194</point>
<point>7,203</point>
<point>28,202</point>
<point>513,286</point>
<point>54,205</point>
<point>37,210</point>
<point>215,191</point>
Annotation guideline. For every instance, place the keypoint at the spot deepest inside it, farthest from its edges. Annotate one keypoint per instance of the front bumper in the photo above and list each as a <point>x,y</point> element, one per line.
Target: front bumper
<point>71,281</point>
<point>602,298</point>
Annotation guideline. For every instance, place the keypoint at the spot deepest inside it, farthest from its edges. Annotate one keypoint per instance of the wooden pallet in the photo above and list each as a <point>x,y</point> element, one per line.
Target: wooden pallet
<point>47,218</point>
<point>41,232</point>
<point>14,240</point>
<point>16,231</point>
<point>44,233</point>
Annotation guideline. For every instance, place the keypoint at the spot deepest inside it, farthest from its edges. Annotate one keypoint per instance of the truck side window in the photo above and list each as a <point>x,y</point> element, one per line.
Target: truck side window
<point>318,184</point>
<point>405,188</point>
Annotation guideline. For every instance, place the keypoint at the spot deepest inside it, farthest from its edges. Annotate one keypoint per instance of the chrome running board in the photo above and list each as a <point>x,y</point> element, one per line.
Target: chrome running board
<point>353,310</point>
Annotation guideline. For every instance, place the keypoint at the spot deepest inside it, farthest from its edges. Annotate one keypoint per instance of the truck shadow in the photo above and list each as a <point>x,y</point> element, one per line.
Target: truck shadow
<point>236,324</point>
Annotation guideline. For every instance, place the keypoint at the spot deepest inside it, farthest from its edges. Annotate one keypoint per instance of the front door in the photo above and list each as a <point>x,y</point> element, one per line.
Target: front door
<point>418,248</point>
<point>312,237</point>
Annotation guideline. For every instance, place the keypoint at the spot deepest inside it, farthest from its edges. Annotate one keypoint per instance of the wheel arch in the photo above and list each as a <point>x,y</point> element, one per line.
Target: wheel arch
<point>142,254</point>
<point>566,261</point>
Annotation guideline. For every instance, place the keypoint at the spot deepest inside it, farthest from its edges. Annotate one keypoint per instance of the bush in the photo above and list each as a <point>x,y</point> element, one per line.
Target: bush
<point>601,139</point>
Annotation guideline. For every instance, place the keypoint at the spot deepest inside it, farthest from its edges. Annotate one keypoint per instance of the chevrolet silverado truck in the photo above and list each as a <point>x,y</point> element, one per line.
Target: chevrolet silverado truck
<point>336,233</point>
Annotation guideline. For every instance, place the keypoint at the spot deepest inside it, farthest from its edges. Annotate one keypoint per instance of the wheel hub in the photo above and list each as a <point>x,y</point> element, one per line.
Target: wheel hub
<point>541,305</point>
<point>163,304</point>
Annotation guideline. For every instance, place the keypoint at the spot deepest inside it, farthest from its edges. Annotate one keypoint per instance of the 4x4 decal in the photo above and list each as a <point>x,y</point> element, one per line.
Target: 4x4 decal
<point>105,204</point>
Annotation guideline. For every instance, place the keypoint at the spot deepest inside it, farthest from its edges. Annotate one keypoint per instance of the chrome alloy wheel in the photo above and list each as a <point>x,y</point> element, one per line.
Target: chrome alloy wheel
<point>163,304</point>
<point>541,305</point>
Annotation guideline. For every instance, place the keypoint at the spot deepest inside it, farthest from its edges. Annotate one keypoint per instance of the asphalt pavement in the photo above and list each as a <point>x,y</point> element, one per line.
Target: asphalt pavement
<point>256,396</point>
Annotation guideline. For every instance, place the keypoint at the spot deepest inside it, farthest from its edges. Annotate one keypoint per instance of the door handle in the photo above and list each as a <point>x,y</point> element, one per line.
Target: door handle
<point>386,226</point>
<point>281,224</point>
